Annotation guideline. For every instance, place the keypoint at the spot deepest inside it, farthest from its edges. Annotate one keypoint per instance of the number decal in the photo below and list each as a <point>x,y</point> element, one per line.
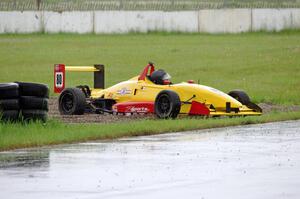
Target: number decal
<point>59,81</point>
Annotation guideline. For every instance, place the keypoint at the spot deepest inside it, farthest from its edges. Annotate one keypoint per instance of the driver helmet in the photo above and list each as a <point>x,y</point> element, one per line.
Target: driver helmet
<point>160,77</point>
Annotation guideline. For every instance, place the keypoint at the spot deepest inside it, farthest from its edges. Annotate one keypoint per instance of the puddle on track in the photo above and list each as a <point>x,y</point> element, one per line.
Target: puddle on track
<point>254,161</point>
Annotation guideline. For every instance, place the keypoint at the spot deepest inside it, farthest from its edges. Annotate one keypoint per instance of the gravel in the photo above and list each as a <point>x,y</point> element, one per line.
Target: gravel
<point>90,117</point>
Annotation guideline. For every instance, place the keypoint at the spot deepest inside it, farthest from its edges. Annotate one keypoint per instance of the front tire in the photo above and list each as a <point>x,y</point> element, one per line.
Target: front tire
<point>167,104</point>
<point>72,101</point>
<point>240,96</point>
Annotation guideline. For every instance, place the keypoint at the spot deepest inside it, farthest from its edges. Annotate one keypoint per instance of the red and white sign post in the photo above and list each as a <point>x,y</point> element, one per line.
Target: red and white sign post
<point>59,78</point>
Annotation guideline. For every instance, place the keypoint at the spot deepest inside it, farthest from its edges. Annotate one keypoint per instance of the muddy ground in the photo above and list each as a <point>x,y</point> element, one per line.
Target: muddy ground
<point>109,118</point>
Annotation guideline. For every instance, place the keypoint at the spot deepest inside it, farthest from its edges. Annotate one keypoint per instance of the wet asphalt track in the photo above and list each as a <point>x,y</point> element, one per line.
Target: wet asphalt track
<point>255,161</point>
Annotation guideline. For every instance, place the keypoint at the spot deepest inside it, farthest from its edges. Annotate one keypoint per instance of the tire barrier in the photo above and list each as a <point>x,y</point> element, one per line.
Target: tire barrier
<point>23,101</point>
<point>10,115</point>
<point>9,91</point>
<point>9,102</point>
<point>33,89</point>
<point>34,114</point>
<point>34,103</point>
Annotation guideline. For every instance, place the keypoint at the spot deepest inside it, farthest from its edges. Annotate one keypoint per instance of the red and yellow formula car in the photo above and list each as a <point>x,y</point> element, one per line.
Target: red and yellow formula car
<point>149,92</point>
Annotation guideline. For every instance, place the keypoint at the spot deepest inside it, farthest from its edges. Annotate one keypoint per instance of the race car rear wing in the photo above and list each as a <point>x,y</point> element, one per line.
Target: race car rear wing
<point>60,75</point>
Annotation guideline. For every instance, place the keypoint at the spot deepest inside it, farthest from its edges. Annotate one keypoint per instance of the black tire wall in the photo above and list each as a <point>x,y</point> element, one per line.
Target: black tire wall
<point>33,89</point>
<point>23,101</point>
<point>9,91</point>
<point>32,102</point>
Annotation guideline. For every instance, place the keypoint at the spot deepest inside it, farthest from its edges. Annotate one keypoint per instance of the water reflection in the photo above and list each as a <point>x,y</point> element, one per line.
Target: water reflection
<point>24,159</point>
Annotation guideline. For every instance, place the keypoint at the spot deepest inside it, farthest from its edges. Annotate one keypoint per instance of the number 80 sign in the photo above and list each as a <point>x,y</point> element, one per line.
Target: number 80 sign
<point>59,77</point>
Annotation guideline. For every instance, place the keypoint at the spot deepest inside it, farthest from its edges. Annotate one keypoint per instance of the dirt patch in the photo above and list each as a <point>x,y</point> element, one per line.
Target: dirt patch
<point>268,107</point>
<point>109,118</point>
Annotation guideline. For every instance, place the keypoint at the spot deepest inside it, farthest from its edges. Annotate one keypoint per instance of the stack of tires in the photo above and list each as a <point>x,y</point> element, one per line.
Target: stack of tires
<point>24,101</point>
<point>34,101</point>
<point>9,102</point>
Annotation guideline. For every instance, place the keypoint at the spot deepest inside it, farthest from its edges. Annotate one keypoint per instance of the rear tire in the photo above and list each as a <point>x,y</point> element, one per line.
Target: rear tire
<point>72,101</point>
<point>241,96</point>
<point>167,104</point>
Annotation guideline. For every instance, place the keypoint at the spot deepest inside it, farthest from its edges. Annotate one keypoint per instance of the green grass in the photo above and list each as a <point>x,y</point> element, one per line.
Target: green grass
<point>14,136</point>
<point>266,65</point>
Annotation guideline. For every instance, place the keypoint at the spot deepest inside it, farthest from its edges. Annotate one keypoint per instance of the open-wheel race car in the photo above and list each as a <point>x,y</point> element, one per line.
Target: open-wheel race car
<point>149,92</point>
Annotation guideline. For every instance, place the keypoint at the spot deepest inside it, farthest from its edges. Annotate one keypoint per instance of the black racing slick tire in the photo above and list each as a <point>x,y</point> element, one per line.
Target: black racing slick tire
<point>241,96</point>
<point>32,102</point>
<point>72,101</point>
<point>33,89</point>
<point>9,90</point>
<point>34,115</point>
<point>9,104</point>
<point>167,104</point>
<point>9,115</point>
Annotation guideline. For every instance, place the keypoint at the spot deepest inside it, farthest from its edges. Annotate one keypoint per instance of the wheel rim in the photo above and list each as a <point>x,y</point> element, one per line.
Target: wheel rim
<point>67,102</point>
<point>164,105</point>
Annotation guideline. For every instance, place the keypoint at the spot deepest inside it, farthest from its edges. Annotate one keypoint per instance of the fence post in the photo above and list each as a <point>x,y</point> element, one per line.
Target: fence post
<point>172,5</point>
<point>38,4</point>
<point>121,5</point>
<point>225,3</point>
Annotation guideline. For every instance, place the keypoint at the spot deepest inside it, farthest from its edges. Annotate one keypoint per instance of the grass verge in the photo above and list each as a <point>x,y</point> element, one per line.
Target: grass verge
<point>265,65</point>
<point>14,136</point>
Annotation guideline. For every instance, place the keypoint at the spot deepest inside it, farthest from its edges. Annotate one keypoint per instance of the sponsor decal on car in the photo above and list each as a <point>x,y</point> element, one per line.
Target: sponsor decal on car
<point>134,109</point>
<point>124,91</point>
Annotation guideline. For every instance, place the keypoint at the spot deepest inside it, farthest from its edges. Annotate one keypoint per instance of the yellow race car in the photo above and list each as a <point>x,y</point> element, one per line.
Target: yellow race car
<point>149,92</point>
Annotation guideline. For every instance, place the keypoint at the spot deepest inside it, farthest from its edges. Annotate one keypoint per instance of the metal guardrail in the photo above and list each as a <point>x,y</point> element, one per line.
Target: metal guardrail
<point>68,5</point>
